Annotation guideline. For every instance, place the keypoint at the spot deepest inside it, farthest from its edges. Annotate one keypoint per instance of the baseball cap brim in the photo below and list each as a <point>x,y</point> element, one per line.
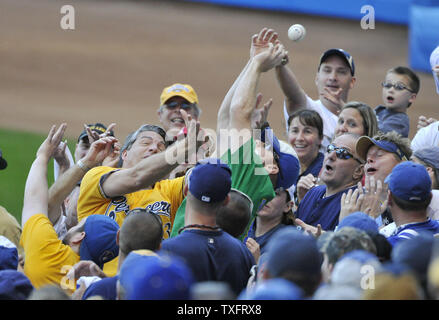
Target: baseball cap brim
<point>342,54</point>
<point>99,244</point>
<point>365,142</point>
<point>180,94</point>
<point>362,146</point>
<point>98,128</point>
<point>179,90</point>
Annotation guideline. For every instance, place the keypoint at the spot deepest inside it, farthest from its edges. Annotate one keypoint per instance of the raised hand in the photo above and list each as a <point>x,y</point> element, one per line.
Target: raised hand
<point>112,160</point>
<point>334,97</point>
<point>351,202</point>
<point>304,184</point>
<point>94,136</point>
<point>260,42</point>
<point>260,114</point>
<point>189,141</point>
<point>374,197</point>
<point>423,121</point>
<point>254,248</point>
<point>99,150</point>
<point>51,143</point>
<point>270,58</point>
<point>85,268</point>
<point>309,229</point>
<point>60,155</point>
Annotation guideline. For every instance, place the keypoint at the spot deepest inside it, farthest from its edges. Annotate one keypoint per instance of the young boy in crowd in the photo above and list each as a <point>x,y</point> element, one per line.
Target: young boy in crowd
<point>400,89</point>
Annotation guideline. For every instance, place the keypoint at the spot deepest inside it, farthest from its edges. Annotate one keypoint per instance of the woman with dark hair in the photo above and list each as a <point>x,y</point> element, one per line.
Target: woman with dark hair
<point>305,135</point>
<point>273,216</point>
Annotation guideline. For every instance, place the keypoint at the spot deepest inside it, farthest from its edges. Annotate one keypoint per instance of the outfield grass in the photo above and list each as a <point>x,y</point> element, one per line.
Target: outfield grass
<point>19,149</point>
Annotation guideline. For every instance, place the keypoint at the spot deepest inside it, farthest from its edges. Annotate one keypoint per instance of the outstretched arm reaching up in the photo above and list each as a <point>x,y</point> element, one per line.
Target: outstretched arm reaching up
<point>295,96</point>
<point>36,194</point>
<point>259,43</point>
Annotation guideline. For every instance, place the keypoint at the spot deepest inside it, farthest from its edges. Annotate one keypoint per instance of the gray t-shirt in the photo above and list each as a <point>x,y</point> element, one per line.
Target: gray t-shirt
<point>389,120</point>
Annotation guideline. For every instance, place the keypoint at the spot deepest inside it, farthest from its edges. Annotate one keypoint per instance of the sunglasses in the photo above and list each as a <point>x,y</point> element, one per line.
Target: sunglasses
<point>341,153</point>
<point>397,86</point>
<point>175,104</point>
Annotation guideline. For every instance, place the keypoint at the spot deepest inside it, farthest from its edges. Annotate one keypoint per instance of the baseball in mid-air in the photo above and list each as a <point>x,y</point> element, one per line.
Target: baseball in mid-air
<point>296,32</point>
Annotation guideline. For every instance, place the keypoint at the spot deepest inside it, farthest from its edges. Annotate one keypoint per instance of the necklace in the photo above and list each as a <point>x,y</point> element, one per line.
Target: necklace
<point>214,228</point>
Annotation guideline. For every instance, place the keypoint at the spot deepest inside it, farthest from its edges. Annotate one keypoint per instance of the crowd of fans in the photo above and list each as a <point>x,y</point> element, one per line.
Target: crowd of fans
<point>346,208</point>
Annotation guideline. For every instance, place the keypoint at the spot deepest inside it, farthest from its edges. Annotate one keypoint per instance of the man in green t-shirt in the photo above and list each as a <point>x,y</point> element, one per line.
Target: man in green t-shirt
<point>256,169</point>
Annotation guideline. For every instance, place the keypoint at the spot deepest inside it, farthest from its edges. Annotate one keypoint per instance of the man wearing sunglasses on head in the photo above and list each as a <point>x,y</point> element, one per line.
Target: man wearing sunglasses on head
<point>342,170</point>
<point>173,99</point>
<point>400,88</point>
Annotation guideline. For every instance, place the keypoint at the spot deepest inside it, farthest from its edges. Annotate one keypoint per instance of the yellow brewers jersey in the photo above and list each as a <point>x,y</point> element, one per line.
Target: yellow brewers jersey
<point>163,200</point>
<point>47,259</point>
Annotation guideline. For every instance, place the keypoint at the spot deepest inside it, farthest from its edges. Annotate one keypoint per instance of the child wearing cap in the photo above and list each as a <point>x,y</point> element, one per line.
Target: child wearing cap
<point>400,89</point>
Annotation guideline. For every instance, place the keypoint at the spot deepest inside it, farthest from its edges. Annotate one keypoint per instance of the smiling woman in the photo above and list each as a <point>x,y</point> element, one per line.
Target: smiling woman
<point>305,135</point>
<point>357,117</point>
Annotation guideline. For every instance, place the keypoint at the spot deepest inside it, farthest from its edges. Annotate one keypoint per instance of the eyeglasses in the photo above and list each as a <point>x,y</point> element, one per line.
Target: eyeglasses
<point>397,86</point>
<point>175,104</point>
<point>341,153</point>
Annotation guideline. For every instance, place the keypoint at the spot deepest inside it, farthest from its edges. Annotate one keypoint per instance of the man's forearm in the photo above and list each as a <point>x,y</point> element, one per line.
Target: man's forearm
<point>295,97</point>
<point>146,173</point>
<point>35,192</point>
<point>224,111</point>
<point>243,101</point>
<point>62,187</point>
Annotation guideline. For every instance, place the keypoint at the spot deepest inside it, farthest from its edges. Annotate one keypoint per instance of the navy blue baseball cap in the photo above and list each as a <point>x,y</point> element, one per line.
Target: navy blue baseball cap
<point>14,285</point>
<point>210,180</point>
<point>359,220</point>
<point>429,155</point>
<point>99,128</point>
<point>346,56</point>
<point>3,162</point>
<point>145,276</point>
<point>365,142</point>
<point>99,243</point>
<point>409,181</point>
<point>289,165</point>
<point>415,253</point>
<point>274,289</point>
<point>8,254</point>
<point>290,250</point>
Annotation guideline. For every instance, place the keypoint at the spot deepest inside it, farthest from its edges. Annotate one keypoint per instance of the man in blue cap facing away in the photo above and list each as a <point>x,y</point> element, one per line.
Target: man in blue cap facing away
<point>408,199</point>
<point>210,253</point>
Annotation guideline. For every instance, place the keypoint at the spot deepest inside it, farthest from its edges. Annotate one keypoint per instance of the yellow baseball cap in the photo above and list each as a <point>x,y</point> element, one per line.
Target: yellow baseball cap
<point>181,90</point>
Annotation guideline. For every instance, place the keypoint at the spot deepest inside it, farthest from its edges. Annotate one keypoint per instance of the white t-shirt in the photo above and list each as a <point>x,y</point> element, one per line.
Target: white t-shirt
<point>432,213</point>
<point>426,137</point>
<point>433,207</point>
<point>330,120</point>
<point>434,61</point>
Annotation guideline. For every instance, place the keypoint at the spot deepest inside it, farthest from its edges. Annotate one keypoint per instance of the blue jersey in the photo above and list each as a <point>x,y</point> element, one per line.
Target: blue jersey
<point>106,288</point>
<point>314,168</point>
<point>212,256</point>
<point>263,239</point>
<point>411,230</point>
<point>316,209</point>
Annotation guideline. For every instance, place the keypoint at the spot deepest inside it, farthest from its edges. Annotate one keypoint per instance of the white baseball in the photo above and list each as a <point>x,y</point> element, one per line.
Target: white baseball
<point>296,32</point>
